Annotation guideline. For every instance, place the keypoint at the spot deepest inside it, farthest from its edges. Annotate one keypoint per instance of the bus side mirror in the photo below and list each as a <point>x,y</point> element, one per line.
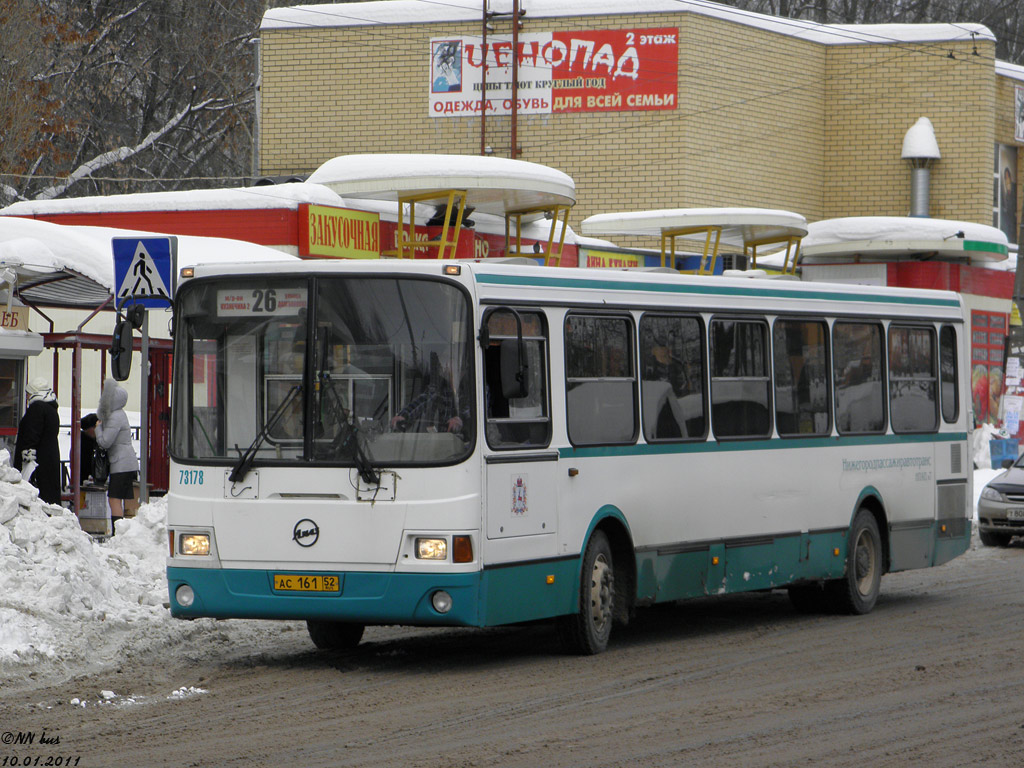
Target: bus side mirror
<point>121,350</point>
<point>513,370</point>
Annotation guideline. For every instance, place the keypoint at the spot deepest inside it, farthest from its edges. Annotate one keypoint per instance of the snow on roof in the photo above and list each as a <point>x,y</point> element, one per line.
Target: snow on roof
<point>740,226</point>
<point>494,185</point>
<point>421,12</point>
<point>270,196</point>
<point>1013,71</point>
<point>82,257</point>
<point>903,235</point>
<point>595,242</point>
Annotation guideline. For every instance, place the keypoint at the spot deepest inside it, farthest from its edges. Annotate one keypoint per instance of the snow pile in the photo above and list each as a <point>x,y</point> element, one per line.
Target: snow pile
<point>60,589</point>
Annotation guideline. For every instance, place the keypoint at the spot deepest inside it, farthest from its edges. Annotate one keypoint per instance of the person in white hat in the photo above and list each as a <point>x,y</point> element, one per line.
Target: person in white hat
<point>37,440</point>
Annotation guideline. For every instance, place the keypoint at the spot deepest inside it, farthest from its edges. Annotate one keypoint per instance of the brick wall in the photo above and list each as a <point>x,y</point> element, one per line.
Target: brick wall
<point>875,94</point>
<point>762,119</point>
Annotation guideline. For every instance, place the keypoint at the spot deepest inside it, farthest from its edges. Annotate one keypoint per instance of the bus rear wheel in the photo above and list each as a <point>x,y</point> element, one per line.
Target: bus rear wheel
<point>587,631</point>
<point>857,592</point>
<point>334,635</point>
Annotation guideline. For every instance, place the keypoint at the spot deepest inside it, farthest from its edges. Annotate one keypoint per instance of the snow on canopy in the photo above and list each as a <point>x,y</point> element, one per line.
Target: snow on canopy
<point>418,12</point>
<point>60,265</point>
<point>889,236</point>
<point>494,185</point>
<point>905,234</point>
<point>740,226</point>
<point>241,198</point>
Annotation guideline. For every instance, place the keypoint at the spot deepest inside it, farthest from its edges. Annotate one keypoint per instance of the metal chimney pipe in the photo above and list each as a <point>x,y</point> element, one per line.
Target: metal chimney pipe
<point>920,150</point>
<point>920,182</point>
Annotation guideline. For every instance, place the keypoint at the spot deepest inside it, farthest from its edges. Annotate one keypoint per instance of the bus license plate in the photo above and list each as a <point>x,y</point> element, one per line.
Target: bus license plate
<point>302,582</point>
<point>1015,514</point>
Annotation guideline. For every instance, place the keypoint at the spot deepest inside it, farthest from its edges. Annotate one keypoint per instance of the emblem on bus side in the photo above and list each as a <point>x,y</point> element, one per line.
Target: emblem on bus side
<point>305,533</point>
<point>519,505</point>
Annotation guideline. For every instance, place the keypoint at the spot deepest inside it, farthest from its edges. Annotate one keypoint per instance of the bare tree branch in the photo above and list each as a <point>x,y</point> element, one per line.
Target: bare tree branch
<point>116,155</point>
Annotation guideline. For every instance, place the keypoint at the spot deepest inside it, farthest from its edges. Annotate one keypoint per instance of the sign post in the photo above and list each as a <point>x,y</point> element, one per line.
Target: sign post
<point>144,272</point>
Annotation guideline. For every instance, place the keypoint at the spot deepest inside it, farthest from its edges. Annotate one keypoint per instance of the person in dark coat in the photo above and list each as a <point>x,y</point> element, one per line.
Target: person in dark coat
<point>37,431</point>
<point>88,447</point>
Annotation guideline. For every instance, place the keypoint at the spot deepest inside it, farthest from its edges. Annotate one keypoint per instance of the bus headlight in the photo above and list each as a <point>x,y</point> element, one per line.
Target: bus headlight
<point>431,549</point>
<point>194,544</point>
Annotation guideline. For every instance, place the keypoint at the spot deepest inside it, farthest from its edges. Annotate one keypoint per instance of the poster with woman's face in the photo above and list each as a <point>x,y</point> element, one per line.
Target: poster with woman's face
<point>1018,112</point>
<point>1008,191</point>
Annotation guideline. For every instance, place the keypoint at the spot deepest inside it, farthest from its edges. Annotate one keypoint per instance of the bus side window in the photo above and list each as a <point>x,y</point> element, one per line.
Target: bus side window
<point>523,422</point>
<point>913,389</point>
<point>740,382</point>
<point>672,375</point>
<point>857,370</point>
<point>948,375</point>
<point>801,377</point>
<point>600,381</point>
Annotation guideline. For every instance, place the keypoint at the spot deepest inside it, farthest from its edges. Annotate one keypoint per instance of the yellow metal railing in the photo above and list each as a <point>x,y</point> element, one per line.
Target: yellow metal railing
<point>712,240</point>
<point>792,252</point>
<point>406,242</point>
<point>551,250</point>
<point>407,245</point>
<point>709,257</point>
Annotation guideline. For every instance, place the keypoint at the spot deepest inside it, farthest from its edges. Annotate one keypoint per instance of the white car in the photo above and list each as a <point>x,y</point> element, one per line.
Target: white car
<point>1001,506</point>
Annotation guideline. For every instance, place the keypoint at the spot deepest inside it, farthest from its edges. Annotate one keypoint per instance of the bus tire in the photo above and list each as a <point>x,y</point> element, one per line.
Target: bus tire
<point>857,591</point>
<point>334,635</point>
<point>586,632</point>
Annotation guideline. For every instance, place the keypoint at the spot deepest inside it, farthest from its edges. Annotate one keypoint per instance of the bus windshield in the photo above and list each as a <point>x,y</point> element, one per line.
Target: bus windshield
<point>352,371</point>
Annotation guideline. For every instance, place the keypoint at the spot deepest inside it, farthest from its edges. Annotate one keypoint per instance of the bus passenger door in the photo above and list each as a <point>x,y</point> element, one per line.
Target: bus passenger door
<point>520,519</point>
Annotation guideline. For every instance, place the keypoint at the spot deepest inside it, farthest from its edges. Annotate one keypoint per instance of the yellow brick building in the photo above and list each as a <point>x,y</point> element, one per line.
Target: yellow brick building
<point>767,112</point>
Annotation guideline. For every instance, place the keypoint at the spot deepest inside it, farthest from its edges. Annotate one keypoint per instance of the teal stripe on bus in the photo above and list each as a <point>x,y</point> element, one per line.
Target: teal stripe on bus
<point>728,446</point>
<point>708,290</point>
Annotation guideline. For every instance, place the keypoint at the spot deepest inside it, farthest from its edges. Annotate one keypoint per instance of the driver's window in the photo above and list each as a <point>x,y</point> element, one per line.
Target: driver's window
<point>519,422</point>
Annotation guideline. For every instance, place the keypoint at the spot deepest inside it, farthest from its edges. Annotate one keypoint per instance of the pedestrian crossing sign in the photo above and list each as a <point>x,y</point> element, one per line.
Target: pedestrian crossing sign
<point>144,269</point>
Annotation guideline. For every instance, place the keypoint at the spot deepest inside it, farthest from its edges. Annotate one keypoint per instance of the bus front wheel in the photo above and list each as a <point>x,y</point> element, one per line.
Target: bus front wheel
<point>334,635</point>
<point>857,591</point>
<point>587,631</point>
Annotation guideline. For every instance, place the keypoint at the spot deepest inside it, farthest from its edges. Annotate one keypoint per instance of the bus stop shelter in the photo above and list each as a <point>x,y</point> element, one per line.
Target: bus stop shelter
<point>53,266</point>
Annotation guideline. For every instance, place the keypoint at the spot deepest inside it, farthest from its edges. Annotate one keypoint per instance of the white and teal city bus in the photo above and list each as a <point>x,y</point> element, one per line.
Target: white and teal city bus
<point>478,444</point>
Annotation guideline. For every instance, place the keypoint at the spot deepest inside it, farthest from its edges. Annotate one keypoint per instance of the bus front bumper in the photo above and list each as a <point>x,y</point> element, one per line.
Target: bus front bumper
<point>361,597</point>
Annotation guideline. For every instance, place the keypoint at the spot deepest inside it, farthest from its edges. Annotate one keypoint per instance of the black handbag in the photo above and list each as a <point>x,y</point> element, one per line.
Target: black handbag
<point>100,466</point>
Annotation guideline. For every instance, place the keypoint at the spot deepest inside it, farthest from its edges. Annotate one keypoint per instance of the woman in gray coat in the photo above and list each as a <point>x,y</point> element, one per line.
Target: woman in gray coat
<point>114,435</point>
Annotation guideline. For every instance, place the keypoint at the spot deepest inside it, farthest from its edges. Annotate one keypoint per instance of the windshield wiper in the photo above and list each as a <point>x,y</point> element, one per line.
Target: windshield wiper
<point>349,433</point>
<point>360,455</point>
<point>241,469</point>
